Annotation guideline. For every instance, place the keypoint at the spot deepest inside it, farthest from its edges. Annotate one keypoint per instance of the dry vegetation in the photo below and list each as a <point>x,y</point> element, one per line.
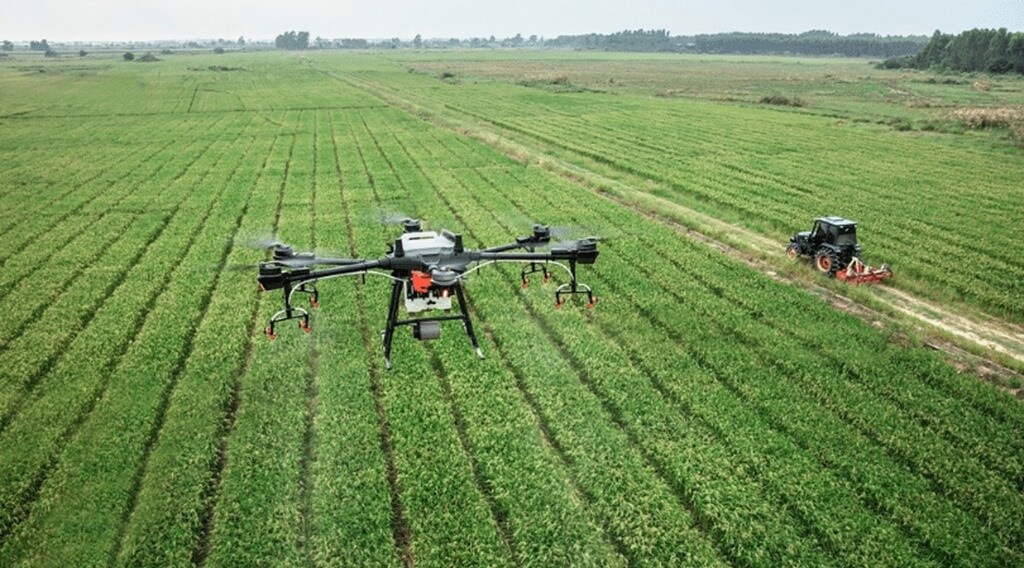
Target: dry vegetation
<point>1011,118</point>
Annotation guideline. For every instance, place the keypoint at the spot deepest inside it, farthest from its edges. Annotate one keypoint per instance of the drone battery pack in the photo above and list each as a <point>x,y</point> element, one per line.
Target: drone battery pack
<point>426,330</point>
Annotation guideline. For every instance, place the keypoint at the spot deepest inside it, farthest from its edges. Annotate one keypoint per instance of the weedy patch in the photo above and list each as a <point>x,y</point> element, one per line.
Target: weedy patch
<point>782,100</point>
<point>1010,118</point>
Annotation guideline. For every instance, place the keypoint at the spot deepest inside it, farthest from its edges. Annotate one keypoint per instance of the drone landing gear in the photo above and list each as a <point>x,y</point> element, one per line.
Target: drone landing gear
<point>424,328</point>
<point>574,287</point>
<point>289,312</point>
<point>533,268</point>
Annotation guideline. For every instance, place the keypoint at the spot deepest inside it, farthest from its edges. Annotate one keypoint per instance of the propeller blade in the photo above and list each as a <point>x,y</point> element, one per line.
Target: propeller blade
<point>262,241</point>
<point>393,217</point>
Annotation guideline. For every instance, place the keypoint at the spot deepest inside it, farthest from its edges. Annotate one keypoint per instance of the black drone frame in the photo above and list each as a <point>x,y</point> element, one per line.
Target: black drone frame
<point>446,266</point>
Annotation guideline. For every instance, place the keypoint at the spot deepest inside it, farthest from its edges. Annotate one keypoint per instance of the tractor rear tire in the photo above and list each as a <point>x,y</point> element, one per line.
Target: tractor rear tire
<point>827,262</point>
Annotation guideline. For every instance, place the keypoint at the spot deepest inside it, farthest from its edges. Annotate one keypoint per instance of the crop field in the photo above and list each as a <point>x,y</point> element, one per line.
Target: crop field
<point>704,413</point>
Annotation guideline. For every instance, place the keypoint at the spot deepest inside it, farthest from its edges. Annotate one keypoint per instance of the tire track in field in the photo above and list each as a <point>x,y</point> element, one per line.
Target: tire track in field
<point>617,543</point>
<point>26,501</point>
<point>308,459</point>
<point>180,366</point>
<point>968,329</point>
<point>400,527</point>
<point>212,492</point>
<point>57,353</point>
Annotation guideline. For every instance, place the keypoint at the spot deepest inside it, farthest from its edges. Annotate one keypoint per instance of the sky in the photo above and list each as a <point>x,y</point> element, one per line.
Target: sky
<point>136,20</point>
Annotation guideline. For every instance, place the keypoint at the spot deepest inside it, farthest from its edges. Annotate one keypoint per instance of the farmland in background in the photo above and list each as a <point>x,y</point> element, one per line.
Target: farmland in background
<point>703,413</point>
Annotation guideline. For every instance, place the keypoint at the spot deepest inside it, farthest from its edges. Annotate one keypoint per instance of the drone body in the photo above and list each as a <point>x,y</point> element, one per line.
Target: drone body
<point>427,270</point>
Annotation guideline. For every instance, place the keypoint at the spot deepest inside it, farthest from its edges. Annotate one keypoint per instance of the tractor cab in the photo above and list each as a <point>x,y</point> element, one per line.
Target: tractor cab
<point>832,244</point>
<point>834,231</point>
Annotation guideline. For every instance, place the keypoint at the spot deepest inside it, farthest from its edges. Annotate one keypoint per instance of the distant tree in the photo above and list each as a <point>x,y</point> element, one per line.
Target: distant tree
<point>241,40</point>
<point>993,51</point>
<point>1015,51</point>
<point>516,40</point>
<point>50,53</point>
<point>82,53</point>
<point>7,46</point>
<point>292,40</point>
<point>129,56</point>
<point>39,45</point>
<point>218,49</point>
<point>417,41</point>
<point>353,43</point>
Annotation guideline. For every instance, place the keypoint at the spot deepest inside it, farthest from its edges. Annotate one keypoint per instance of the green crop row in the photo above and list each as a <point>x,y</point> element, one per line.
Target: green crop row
<point>67,394</point>
<point>37,348</point>
<point>68,247</point>
<point>448,517</point>
<point>624,268</point>
<point>259,511</point>
<point>176,490</point>
<point>351,504</point>
<point>128,413</point>
<point>100,194</point>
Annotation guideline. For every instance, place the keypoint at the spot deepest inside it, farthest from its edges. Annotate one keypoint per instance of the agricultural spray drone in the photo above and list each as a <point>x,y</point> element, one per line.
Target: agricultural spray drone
<point>426,269</point>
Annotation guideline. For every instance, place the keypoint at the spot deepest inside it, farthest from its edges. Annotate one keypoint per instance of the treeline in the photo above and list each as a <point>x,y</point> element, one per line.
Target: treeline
<point>992,51</point>
<point>814,42</point>
<point>292,40</point>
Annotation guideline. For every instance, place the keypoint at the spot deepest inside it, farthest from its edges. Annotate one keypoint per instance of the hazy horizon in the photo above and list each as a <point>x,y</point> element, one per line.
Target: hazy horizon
<point>124,20</point>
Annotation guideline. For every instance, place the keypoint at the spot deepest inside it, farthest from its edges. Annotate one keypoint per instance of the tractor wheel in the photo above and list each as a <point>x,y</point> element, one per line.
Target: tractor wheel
<point>827,262</point>
<point>793,252</point>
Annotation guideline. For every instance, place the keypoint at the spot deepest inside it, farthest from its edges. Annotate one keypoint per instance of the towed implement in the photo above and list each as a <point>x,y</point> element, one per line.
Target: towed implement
<point>831,244</point>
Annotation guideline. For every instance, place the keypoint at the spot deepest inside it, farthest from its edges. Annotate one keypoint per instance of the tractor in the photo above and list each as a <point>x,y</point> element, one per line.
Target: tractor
<point>832,245</point>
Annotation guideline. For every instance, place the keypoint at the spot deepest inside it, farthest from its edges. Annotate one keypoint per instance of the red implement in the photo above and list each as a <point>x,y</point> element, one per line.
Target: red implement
<point>859,273</point>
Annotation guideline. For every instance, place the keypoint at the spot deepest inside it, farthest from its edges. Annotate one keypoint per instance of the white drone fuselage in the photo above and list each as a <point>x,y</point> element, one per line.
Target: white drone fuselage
<point>427,245</point>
